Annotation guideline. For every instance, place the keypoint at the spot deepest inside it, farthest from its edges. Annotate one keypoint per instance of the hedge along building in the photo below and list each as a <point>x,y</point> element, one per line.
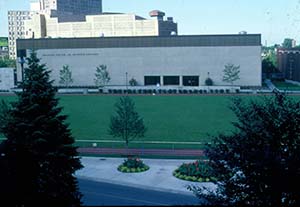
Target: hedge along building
<point>174,60</point>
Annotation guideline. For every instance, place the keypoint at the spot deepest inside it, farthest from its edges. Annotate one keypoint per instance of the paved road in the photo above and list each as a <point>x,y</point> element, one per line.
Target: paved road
<point>100,193</point>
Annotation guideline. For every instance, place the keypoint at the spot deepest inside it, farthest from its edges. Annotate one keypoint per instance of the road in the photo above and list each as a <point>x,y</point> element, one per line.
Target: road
<point>99,193</point>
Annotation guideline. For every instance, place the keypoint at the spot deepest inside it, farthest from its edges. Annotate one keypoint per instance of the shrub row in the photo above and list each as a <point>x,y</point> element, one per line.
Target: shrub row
<point>169,91</point>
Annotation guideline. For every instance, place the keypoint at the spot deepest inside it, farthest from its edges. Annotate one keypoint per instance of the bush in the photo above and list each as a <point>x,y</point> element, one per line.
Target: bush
<point>209,82</point>
<point>221,90</point>
<point>237,90</point>
<point>133,164</point>
<point>227,91</point>
<point>196,91</point>
<point>197,171</point>
<point>140,91</point>
<point>170,91</point>
<point>109,91</point>
<point>200,91</point>
<point>133,82</point>
<point>216,91</point>
<point>180,91</point>
<point>211,91</point>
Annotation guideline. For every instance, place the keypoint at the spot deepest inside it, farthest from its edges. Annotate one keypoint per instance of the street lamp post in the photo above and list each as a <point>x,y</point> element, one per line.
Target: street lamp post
<point>22,61</point>
<point>126,84</point>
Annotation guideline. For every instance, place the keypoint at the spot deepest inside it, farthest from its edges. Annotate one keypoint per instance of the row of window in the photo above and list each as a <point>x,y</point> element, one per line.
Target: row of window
<point>172,80</point>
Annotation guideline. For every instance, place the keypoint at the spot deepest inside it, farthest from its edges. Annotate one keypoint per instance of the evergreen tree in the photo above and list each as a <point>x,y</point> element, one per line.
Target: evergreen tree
<point>259,164</point>
<point>38,159</point>
<point>127,123</point>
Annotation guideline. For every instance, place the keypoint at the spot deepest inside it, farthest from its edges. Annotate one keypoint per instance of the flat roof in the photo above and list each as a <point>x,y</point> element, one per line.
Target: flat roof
<point>141,41</point>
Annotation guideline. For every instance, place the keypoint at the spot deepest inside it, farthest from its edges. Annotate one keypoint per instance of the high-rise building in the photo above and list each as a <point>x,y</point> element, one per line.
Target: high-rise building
<point>71,10</point>
<point>105,24</point>
<point>16,29</point>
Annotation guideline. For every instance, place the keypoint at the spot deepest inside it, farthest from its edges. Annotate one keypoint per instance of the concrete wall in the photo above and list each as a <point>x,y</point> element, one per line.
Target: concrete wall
<point>6,78</point>
<point>160,61</point>
<point>106,25</point>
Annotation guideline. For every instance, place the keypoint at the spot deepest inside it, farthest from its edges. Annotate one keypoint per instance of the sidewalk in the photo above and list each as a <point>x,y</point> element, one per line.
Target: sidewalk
<point>158,177</point>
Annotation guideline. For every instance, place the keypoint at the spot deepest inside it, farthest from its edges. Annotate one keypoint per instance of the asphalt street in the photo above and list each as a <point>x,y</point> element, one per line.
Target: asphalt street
<point>107,194</point>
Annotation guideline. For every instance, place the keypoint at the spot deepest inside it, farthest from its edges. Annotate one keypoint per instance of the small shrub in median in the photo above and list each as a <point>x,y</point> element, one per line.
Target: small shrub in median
<point>197,171</point>
<point>133,165</point>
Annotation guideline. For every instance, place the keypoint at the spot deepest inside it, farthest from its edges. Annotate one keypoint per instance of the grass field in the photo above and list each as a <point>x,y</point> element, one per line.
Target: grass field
<point>286,86</point>
<point>168,118</point>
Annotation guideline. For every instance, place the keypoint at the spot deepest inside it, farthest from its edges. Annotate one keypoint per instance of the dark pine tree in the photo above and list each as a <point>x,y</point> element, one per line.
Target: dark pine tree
<point>259,164</point>
<point>38,159</point>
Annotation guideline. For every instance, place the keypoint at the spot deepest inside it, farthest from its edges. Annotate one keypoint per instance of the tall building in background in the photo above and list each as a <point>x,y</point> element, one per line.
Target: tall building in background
<point>102,25</point>
<point>16,29</point>
<point>71,10</point>
<point>82,18</point>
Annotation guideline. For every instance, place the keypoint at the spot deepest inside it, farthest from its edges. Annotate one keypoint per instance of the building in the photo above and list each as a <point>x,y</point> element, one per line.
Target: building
<point>7,79</point>
<point>170,61</point>
<point>16,29</point>
<point>71,10</point>
<point>105,24</point>
<point>288,61</point>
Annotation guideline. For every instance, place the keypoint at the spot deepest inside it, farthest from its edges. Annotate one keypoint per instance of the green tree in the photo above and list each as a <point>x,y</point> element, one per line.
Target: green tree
<point>65,76</point>
<point>259,163</point>
<point>127,123</point>
<point>287,43</point>
<point>102,76</point>
<point>38,155</point>
<point>5,62</point>
<point>4,114</point>
<point>268,67</point>
<point>231,73</point>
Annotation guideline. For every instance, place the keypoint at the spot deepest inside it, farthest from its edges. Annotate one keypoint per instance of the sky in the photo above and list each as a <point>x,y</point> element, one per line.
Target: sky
<point>274,19</point>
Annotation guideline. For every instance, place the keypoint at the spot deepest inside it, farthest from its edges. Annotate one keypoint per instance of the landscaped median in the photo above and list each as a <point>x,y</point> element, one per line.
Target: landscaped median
<point>197,171</point>
<point>133,165</point>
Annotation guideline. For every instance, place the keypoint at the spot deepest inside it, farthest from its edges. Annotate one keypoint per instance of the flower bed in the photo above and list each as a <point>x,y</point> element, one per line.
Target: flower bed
<point>197,171</point>
<point>133,165</point>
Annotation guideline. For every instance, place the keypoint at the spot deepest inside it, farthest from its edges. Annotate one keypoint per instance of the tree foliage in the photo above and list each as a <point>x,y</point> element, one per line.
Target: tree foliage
<point>268,67</point>
<point>127,123</point>
<point>4,114</point>
<point>65,76</point>
<point>259,163</point>
<point>102,76</point>
<point>287,43</point>
<point>5,62</point>
<point>38,159</point>
<point>231,73</point>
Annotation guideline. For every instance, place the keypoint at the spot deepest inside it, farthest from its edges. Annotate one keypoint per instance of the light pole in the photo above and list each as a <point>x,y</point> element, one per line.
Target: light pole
<point>22,61</point>
<point>126,84</point>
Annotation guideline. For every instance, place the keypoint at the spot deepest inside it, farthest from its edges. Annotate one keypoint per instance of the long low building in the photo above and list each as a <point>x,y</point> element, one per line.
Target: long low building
<point>175,60</point>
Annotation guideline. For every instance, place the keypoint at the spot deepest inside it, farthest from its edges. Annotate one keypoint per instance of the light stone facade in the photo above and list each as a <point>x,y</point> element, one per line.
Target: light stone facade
<point>166,61</point>
<point>6,78</point>
<point>16,29</point>
<point>104,25</point>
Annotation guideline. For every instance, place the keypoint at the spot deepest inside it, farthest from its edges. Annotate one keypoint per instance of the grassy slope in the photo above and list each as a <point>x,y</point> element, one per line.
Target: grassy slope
<point>286,86</point>
<point>168,118</point>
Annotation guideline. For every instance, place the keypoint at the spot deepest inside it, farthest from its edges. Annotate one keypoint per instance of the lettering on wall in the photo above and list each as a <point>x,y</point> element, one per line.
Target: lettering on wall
<point>70,54</point>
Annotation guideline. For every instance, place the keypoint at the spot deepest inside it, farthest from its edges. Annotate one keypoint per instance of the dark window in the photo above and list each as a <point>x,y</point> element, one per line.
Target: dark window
<point>171,80</point>
<point>190,80</point>
<point>152,80</point>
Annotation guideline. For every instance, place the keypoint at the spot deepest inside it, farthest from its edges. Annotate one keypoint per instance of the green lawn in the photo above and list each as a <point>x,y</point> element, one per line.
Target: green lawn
<point>168,118</point>
<point>3,42</point>
<point>286,86</point>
